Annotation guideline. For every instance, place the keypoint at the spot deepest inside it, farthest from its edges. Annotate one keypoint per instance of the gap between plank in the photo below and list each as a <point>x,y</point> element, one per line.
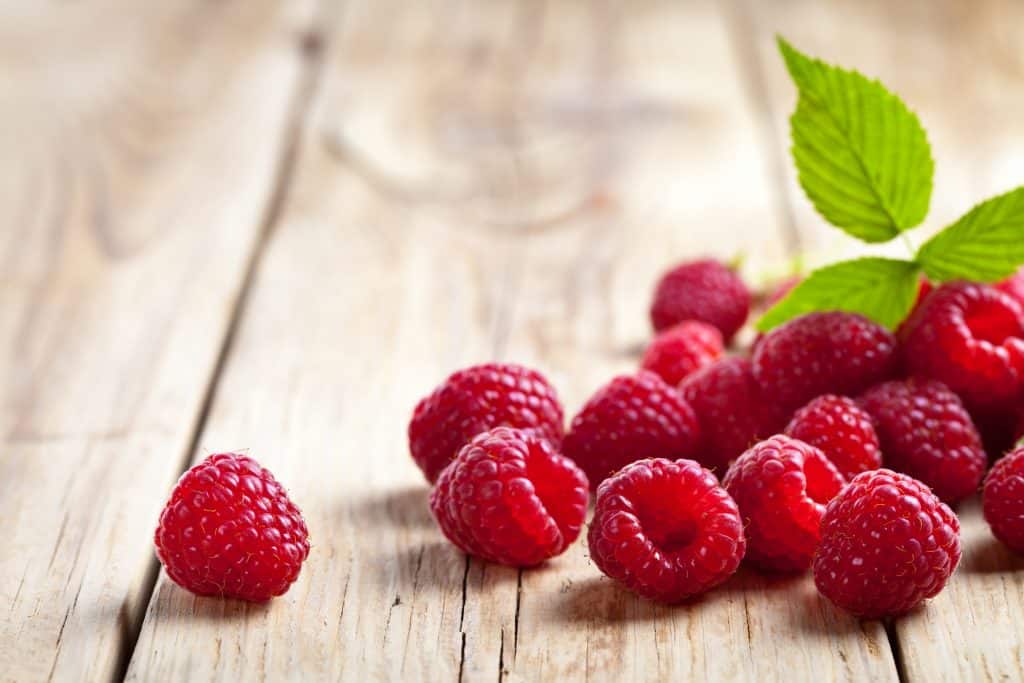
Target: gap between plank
<point>739,25</point>
<point>312,47</point>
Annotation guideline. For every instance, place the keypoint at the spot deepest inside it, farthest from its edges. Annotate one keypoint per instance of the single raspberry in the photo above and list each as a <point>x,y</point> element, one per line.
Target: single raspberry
<point>1014,286</point>
<point>1002,500</point>
<point>887,544</point>
<point>781,486</point>
<point>682,349</point>
<point>924,288</point>
<point>971,337</point>
<point>631,417</point>
<point>823,353</point>
<point>702,290</point>
<point>476,399</point>
<point>843,432</point>
<point>230,529</point>
<point>926,432</point>
<point>731,409</point>
<point>667,530</point>
<point>508,497</point>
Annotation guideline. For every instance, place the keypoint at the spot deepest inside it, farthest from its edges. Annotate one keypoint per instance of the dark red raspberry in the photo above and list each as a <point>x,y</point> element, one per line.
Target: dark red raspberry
<point>682,349</point>
<point>476,399</point>
<point>732,411</point>
<point>971,337</point>
<point>230,529</point>
<point>1002,500</point>
<point>781,486</point>
<point>631,417</point>
<point>508,497</point>
<point>999,428</point>
<point>666,530</point>
<point>843,432</point>
<point>702,290</point>
<point>926,432</point>
<point>887,544</point>
<point>1014,286</point>
<point>823,353</point>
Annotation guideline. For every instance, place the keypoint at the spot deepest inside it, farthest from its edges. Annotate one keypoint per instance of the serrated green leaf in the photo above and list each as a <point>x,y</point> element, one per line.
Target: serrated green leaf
<point>862,156</point>
<point>880,288</point>
<point>985,245</point>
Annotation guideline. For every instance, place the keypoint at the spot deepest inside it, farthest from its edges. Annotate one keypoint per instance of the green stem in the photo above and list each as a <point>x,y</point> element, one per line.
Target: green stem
<point>910,245</point>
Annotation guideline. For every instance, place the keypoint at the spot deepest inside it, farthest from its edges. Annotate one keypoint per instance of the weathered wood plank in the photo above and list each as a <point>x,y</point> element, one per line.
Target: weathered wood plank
<point>484,180</point>
<point>139,146</point>
<point>959,65</point>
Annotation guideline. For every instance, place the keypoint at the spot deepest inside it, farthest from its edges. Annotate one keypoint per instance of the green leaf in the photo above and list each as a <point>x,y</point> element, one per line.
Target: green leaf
<point>880,288</point>
<point>862,156</point>
<point>986,245</point>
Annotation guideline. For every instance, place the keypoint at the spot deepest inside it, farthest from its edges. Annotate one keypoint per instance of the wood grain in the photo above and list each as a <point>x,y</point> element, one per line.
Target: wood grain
<point>485,180</point>
<point>139,146</point>
<point>960,66</point>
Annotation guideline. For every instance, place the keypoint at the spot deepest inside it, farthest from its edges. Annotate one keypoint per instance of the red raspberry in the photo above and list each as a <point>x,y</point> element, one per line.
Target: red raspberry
<point>971,337</point>
<point>823,353</point>
<point>666,530</point>
<point>508,497</point>
<point>781,486</point>
<point>1002,500</point>
<point>701,290</point>
<point>887,544</point>
<point>926,433</point>
<point>732,411</point>
<point>842,430</point>
<point>1014,286</point>
<point>230,529</point>
<point>476,399</point>
<point>682,349</point>
<point>629,418</point>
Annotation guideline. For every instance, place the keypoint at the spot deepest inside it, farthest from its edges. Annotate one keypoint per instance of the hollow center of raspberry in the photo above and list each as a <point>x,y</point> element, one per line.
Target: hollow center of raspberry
<point>667,530</point>
<point>993,323</point>
<point>822,483</point>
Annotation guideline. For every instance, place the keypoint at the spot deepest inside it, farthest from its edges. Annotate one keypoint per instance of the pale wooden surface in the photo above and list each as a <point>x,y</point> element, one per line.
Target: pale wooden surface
<point>415,187</point>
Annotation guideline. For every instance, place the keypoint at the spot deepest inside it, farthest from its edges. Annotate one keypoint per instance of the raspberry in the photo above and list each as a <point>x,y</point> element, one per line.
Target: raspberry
<point>682,349</point>
<point>971,337</point>
<point>1002,500</point>
<point>926,433</point>
<point>1014,286</point>
<point>230,529</point>
<point>702,290</point>
<point>631,417</point>
<point>666,529</point>
<point>508,497</point>
<point>887,544</point>
<point>781,486</point>
<point>999,428</point>
<point>843,432</point>
<point>823,353</point>
<point>731,409</point>
<point>476,399</point>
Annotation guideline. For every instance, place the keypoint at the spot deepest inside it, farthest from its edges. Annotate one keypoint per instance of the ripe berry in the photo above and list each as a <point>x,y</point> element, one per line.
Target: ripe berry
<point>682,349</point>
<point>1014,286</point>
<point>970,337</point>
<point>508,497</point>
<point>843,432</point>
<point>887,544</point>
<point>781,486</point>
<point>823,353</point>
<point>230,529</point>
<point>631,417</point>
<point>1002,500</point>
<point>926,432</point>
<point>476,399</point>
<point>702,290</point>
<point>732,411</point>
<point>666,529</point>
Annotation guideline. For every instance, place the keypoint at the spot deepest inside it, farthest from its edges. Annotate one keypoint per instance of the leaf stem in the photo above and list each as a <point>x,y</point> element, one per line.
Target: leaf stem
<point>910,244</point>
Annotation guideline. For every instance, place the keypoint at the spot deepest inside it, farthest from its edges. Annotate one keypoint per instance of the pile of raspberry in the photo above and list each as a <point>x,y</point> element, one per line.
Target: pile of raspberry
<point>833,445</point>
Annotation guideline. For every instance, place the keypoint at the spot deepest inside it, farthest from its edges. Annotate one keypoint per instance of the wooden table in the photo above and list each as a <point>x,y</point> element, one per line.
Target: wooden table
<point>275,225</point>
